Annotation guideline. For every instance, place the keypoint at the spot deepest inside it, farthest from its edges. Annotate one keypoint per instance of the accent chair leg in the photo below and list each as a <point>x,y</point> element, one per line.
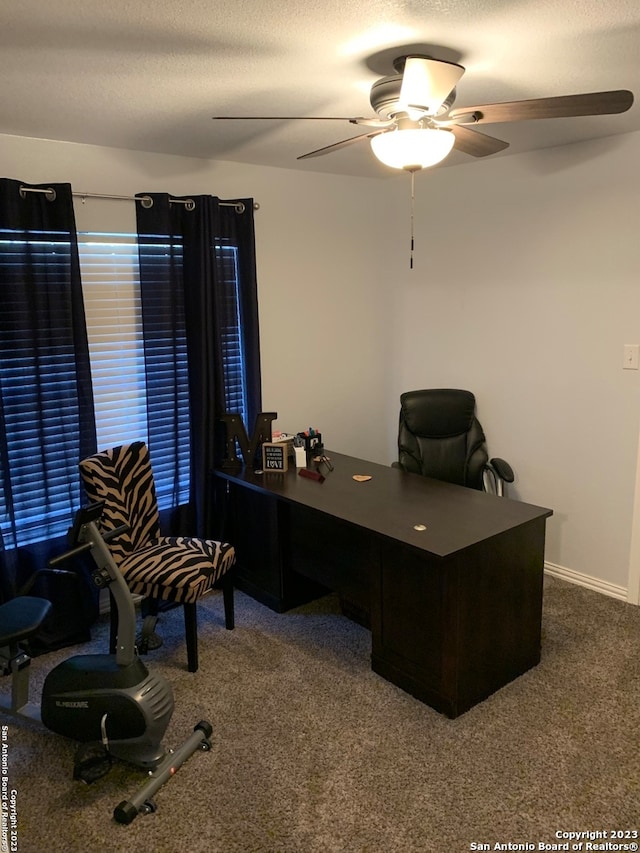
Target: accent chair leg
<point>227,596</point>
<point>191,633</point>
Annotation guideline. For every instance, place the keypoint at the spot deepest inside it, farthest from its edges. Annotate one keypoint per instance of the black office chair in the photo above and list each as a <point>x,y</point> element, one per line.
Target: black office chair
<point>439,436</point>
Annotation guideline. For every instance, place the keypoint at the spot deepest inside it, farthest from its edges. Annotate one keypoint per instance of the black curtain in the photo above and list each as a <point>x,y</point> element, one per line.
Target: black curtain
<point>46,400</point>
<point>183,297</point>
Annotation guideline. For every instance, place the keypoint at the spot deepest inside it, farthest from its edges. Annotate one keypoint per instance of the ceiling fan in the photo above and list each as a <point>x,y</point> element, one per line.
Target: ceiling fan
<point>416,127</point>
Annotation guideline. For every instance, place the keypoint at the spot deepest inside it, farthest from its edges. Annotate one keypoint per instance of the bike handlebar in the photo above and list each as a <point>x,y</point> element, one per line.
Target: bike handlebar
<point>86,546</point>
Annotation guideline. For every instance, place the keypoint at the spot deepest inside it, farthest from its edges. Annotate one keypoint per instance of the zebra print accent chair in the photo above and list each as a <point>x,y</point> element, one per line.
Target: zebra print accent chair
<point>160,568</point>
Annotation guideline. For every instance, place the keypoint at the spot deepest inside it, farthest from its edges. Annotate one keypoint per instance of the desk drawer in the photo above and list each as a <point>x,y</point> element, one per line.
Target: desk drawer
<point>413,619</point>
<point>333,553</point>
<point>253,531</point>
<point>257,525</point>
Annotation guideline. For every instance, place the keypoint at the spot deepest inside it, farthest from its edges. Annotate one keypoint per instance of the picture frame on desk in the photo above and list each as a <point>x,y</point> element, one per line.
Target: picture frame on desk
<point>275,457</point>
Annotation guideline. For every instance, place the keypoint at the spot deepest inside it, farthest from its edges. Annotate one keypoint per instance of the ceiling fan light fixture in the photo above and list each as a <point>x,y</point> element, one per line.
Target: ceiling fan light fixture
<point>413,149</point>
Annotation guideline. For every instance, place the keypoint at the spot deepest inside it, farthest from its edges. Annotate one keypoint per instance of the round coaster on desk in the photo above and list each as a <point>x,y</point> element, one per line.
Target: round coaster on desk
<point>361,478</point>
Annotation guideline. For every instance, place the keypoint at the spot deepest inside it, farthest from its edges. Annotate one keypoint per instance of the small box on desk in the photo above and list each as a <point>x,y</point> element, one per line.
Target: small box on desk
<point>275,456</point>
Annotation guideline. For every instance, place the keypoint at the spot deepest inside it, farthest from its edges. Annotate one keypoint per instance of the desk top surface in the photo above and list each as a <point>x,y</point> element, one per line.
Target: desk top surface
<point>393,502</point>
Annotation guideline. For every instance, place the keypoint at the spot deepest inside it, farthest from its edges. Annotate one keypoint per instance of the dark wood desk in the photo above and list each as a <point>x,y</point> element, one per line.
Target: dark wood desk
<point>455,610</point>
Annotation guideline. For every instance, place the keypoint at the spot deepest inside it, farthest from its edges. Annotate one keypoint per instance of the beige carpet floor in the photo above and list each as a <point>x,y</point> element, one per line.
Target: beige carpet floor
<point>314,753</point>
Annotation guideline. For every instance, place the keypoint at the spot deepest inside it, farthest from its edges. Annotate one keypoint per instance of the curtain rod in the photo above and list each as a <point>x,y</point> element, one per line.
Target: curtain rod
<point>145,200</point>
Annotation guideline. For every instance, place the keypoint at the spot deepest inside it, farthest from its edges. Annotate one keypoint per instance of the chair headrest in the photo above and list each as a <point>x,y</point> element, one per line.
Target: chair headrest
<point>438,412</point>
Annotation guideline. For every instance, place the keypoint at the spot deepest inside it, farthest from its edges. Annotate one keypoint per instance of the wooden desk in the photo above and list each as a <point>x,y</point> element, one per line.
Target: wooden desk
<point>455,610</point>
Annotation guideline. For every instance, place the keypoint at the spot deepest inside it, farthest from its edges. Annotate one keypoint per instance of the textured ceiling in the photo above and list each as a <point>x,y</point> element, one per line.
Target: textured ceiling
<point>149,76</point>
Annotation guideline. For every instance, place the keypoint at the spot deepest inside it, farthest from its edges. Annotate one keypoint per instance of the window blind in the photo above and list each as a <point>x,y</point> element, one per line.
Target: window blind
<point>111,293</point>
<point>167,377</point>
<point>113,308</point>
<point>43,501</point>
<point>40,488</point>
<point>233,351</point>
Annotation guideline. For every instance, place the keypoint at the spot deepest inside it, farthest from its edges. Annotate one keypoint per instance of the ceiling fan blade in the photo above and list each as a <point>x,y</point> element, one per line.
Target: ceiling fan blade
<point>328,149</point>
<point>427,82</point>
<point>281,118</point>
<point>373,122</point>
<point>368,121</point>
<point>476,144</point>
<point>591,104</point>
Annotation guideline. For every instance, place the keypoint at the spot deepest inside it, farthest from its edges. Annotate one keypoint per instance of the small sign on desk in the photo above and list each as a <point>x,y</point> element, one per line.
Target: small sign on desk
<point>274,456</point>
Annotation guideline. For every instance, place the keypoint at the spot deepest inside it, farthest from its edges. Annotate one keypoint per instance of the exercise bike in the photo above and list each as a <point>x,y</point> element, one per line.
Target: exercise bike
<point>111,703</point>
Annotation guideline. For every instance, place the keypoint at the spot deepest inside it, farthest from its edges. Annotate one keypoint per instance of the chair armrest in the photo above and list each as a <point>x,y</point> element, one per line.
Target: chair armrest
<point>502,469</point>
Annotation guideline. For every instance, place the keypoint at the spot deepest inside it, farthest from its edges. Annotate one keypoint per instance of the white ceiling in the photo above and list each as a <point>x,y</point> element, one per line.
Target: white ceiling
<point>149,76</point>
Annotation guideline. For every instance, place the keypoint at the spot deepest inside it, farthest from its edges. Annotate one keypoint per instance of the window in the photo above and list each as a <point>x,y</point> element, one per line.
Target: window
<point>39,394</point>
<point>235,392</point>
<point>111,291</point>
<point>113,310</point>
<point>111,288</point>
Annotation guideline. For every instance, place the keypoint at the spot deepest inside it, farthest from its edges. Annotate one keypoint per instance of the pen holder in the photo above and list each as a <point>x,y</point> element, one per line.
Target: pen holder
<point>312,443</point>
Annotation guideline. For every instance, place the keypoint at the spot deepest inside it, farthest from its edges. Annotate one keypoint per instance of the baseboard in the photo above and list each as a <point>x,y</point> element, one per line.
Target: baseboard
<point>596,584</point>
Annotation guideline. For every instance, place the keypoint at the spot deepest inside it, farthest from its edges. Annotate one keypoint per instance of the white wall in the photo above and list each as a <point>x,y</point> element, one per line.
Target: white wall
<point>525,289</point>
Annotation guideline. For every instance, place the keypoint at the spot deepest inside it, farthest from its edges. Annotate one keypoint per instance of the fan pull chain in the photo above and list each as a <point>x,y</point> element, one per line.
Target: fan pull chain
<point>413,200</point>
<point>413,170</point>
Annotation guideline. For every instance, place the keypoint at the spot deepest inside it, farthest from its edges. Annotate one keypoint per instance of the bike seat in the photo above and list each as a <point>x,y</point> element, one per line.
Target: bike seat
<point>21,617</point>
